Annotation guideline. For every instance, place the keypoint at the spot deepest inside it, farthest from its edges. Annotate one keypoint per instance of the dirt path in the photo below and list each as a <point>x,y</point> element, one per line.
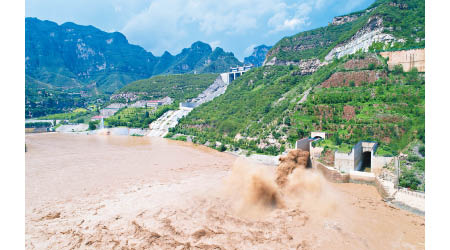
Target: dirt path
<point>181,205</point>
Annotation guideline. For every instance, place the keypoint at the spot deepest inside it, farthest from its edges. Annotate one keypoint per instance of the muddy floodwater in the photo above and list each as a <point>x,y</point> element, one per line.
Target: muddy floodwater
<point>119,192</point>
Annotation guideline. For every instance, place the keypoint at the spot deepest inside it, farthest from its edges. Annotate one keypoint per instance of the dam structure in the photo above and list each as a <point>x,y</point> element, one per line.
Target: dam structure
<point>161,126</point>
<point>235,72</point>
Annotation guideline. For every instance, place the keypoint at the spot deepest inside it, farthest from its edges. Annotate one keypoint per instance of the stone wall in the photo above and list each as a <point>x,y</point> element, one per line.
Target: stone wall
<point>378,162</point>
<point>407,58</point>
<point>415,200</point>
<point>331,174</point>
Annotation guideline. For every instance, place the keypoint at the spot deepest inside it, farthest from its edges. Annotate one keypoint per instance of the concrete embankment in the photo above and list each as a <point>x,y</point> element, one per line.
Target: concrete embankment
<point>398,197</point>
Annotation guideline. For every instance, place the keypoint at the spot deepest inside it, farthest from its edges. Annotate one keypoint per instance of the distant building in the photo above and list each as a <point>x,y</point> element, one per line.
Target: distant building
<point>234,73</point>
<point>96,118</point>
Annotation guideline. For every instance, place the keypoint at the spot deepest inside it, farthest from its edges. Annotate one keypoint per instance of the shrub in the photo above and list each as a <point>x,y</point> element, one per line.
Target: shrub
<point>422,150</point>
<point>413,158</point>
<point>408,179</point>
<point>92,125</point>
<point>398,69</point>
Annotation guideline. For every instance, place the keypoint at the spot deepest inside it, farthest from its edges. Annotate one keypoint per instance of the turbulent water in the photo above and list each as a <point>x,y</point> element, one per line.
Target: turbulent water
<point>112,192</point>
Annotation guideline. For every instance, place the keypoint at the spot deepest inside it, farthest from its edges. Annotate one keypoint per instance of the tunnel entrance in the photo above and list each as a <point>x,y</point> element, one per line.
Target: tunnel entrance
<point>366,162</point>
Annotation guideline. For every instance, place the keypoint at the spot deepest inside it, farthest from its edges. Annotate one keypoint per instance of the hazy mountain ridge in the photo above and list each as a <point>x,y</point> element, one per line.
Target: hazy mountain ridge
<point>258,56</point>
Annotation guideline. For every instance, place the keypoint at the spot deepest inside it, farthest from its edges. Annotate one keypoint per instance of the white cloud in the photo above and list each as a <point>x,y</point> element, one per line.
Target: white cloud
<point>174,20</point>
<point>214,44</point>
<point>159,25</point>
<point>285,19</point>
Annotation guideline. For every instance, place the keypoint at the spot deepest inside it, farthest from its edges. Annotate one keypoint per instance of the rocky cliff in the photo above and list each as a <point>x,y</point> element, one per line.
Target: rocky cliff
<point>389,24</point>
<point>363,39</point>
<point>71,55</point>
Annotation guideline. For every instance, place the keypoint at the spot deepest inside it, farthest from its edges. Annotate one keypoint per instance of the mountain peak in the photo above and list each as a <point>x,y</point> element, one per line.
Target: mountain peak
<point>201,46</point>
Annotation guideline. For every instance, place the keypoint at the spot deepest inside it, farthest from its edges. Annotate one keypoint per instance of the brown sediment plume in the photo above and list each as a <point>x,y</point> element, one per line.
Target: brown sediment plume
<point>294,159</point>
<point>258,189</point>
<point>253,188</point>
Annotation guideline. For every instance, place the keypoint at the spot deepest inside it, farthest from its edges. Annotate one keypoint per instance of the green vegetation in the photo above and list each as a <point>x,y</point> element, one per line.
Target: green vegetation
<point>79,115</point>
<point>38,124</point>
<point>178,87</point>
<point>262,106</point>
<point>252,106</point>
<point>315,43</point>
<point>43,101</point>
<point>137,117</point>
<point>404,19</point>
<point>93,125</point>
<point>413,173</point>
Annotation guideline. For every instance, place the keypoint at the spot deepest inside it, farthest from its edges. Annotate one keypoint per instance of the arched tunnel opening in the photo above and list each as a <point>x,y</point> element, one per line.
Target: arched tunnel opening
<point>366,161</point>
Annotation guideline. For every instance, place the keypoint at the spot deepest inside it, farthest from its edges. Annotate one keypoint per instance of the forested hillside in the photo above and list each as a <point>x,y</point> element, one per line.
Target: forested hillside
<point>352,97</point>
<point>179,87</point>
<point>74,64</point>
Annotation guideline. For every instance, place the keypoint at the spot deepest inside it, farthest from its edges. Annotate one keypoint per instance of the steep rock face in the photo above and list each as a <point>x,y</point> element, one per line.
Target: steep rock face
<point>343,19</point>
<point>258,56</point>
<point>307,67</point>
<point>370,33</point>
<point>75,56</point>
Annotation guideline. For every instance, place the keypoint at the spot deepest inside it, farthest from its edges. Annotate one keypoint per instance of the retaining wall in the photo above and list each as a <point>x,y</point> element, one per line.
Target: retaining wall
<point>331,174</point>
<point>348,161</point>
<point>303,144</point>
<point>407,58</point>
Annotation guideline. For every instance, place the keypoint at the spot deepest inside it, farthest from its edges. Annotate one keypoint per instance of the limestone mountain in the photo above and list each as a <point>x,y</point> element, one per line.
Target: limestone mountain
<point>199,58</point>
<point>386,24</point>
<point>75,56</point>
<point>258,56</point>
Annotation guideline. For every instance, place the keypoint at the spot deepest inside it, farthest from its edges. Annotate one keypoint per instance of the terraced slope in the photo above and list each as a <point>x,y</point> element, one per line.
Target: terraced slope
<point>352,98</point>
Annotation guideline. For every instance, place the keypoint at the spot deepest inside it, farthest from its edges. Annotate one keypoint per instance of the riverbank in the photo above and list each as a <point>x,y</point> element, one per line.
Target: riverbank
<point>113,192</point>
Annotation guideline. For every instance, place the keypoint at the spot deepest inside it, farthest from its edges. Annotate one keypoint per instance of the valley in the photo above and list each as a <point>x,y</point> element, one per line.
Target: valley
<point>322,133</point>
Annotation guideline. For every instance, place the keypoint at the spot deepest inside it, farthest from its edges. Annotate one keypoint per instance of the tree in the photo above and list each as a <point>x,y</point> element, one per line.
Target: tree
<point>398,69</point>
<point>92,125</point>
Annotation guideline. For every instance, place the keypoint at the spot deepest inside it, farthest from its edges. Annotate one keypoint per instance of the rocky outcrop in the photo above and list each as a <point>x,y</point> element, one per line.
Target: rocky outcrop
<point>128,97</point>
<point>370,33</point>
<point>161,126</point>
<point>348,18</point>
<point>307,67</point>
<point>214,90</point>
<point>344,19</point>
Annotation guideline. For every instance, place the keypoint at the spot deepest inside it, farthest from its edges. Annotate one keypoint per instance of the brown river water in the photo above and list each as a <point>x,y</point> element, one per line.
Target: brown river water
<point>119,192</point>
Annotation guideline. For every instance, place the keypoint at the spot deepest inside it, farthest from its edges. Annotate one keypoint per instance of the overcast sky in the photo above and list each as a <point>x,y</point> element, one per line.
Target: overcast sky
<point>159,25</point>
